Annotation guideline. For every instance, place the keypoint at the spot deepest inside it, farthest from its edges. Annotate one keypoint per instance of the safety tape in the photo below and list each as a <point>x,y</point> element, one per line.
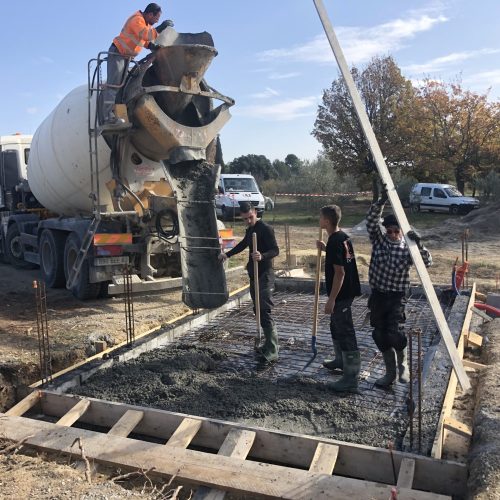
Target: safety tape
<point>324,195</point>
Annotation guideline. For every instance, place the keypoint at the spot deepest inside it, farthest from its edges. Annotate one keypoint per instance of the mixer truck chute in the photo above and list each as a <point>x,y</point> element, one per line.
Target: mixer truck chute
<point>144,196</point>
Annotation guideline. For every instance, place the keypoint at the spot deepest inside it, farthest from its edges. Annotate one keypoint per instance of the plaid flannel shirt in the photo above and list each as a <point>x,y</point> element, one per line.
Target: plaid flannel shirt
<point>391,261</point>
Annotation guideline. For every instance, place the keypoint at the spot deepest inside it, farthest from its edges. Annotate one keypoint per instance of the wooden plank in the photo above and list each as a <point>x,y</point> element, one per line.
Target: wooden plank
<point>127,423</point>
<point>185,433</point>
<point>25,404</point>
<point>473,364</point>
<point>239,476</point>
<point>449,398</point>
<point>481,314</point>
<point>474,339</point>
<point>75,413</point>
<point>237,444</point>
<point>325,458</point>
<point>457,427</point>
<point>397,207</point>
<point>355,460</point>
<point>406,473</point>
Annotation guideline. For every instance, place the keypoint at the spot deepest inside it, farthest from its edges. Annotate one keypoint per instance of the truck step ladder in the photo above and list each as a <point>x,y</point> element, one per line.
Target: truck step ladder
<point>82,253</point>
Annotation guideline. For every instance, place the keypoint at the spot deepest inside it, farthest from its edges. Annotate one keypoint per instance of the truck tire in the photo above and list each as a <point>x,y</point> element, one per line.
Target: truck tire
<point>14,250</point>
<point>454,210</point>
<point>82,288</point>
<point>51,251</point>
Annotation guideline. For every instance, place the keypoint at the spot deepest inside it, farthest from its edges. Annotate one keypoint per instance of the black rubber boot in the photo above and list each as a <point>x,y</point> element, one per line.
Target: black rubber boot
<point>349,380</point>
<point>404,373</point>
<point>390,369</point>
<point>336,363</point>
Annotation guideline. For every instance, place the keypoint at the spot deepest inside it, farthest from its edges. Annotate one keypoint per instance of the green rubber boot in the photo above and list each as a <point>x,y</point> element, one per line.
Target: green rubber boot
<point>269,350</point>
<point>402,359</point>
<point>349,380</point>
<point>390,369</point>
<point>336,363</point>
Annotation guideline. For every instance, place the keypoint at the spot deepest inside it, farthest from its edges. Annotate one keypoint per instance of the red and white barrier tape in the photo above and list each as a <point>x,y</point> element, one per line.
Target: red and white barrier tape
<point>324,195</point>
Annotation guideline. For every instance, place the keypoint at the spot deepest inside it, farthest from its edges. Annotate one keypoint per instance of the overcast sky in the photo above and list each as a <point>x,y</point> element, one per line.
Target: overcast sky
<point>274,59</point>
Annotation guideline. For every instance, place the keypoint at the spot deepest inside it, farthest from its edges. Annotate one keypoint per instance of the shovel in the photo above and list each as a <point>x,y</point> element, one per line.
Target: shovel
<point>316,298</point>
<point>258,338</point>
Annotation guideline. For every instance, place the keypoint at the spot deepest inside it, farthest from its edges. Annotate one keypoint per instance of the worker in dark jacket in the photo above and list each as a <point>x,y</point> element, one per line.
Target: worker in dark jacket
<point>342,285</point>
<point>267,249</point>
<point>389,277</point>
<point>137,32</point>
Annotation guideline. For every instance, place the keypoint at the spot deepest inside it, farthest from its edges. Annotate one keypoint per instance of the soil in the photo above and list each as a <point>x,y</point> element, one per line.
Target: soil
<point>75,325</point>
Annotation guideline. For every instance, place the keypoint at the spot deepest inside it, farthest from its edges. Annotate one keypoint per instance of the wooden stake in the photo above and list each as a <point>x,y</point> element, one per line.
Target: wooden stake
<point>256,287</point>
<point>393,197</point>
<point>316,295</point>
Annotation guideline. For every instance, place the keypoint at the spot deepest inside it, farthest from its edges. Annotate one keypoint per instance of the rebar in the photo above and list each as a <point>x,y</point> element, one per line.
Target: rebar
<point>129,305</point>
<point>42,325</point>
<point>410,389</point>
<point>419,372</point>
<point>287,247</point>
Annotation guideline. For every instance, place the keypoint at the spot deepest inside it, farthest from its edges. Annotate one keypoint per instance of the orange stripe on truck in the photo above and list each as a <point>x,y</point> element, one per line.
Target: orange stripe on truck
<point>112,239</point>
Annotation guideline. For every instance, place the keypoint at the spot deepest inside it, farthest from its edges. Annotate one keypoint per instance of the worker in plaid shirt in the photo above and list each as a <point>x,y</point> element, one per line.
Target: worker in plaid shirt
<point>389,277</point>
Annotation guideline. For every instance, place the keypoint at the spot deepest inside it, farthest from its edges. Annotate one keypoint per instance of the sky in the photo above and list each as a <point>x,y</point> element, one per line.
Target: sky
<point>273,57</point>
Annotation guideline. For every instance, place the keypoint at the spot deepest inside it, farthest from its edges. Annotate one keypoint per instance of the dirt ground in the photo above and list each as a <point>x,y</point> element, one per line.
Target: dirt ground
<point>75,325</point>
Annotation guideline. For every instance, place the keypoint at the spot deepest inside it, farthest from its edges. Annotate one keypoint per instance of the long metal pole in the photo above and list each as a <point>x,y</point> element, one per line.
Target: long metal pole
<point>394,198</point>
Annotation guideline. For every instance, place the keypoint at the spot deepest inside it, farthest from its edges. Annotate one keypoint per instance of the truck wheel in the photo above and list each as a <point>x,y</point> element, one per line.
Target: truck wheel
<point>51,252</point>
<point>81,289</point>
<point>14,250</point>
<point>454,210</point>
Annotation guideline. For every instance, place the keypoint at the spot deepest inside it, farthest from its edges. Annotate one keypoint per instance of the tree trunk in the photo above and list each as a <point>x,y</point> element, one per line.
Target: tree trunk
<point>459,177</point>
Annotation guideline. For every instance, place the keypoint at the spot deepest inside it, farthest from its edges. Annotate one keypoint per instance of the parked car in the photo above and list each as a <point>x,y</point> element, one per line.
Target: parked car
<point>440,198</point>
<point>269,203</point>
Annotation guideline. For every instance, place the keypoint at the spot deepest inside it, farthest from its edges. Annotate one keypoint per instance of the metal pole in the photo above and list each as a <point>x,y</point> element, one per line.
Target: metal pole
<point>410,403</point>
<point>316,296</point>
<point>394,198</point>
<point>419,372</point>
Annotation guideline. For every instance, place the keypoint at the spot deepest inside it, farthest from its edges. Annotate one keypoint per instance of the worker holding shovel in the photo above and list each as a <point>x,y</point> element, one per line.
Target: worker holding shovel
<point>267,249</point>
<point>342,285</point>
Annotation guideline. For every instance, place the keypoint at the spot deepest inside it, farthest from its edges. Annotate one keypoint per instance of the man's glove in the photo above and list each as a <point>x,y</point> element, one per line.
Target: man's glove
<point>383,194</point>
<point>413,235</point>
<point>164,25</point>
<point>153,47</point>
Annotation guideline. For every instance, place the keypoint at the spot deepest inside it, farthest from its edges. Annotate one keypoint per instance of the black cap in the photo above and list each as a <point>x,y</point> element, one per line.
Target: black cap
<point>390,220</point>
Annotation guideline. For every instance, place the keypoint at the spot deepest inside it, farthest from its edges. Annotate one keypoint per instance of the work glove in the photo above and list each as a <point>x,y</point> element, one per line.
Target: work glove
<point>383,194</point>
<point>414,236</point>
<point>164,25</point>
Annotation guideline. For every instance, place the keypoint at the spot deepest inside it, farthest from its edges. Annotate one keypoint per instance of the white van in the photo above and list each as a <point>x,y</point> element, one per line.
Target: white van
<point>234,189</point>
<point>440,198</point>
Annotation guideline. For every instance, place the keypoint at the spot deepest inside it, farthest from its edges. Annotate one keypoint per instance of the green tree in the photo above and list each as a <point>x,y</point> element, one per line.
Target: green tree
<point>257,165</point>
<point>293,163</point>
<point>388,99</point>
<point>458,129</point>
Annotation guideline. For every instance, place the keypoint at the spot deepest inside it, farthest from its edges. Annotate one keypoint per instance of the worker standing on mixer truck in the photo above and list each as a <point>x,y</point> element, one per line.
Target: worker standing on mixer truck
<point>267,249</point>
<point>137,32</point>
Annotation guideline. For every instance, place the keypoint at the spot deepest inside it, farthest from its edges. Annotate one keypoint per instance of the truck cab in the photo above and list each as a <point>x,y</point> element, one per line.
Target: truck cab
<point>440,198</point>
<point>232,190</point>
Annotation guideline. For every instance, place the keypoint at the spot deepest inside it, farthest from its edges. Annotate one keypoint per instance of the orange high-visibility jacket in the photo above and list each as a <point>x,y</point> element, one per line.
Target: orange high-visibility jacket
<point>135,34</point>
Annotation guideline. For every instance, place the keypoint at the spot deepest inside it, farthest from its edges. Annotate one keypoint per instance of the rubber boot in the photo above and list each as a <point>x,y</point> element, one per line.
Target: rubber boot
<point>349,380</point>
<point>269,351</point>
<point>390,369</point>
<point>336,363</point>
<point>404,374</point>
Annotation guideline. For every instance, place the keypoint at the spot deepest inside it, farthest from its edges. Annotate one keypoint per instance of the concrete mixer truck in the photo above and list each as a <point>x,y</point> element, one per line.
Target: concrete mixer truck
<point>92,204</point>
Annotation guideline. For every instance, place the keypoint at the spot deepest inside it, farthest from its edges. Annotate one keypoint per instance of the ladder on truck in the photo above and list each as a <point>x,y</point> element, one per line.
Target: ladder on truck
<point>95,87</point>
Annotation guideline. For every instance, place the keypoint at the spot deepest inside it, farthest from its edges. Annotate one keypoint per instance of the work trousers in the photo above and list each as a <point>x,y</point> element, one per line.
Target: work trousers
<point>116,68</point>
<point>387,317</point>
<point>266,288</point>
<point>341,326</point>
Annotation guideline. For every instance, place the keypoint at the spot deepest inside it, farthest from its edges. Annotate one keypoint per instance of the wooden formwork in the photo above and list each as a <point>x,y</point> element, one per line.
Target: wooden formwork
<point>227,456</point>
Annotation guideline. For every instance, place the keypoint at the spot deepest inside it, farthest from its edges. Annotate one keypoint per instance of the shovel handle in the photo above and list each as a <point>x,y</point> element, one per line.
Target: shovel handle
<point>316,287</point>
<point>256,285</point>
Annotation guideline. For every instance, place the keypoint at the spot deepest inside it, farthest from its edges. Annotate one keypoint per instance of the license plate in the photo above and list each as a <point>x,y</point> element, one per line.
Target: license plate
<point>110,261</point>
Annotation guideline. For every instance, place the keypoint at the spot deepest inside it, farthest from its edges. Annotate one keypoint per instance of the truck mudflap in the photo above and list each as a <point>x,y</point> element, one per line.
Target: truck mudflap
<point>204,280</point>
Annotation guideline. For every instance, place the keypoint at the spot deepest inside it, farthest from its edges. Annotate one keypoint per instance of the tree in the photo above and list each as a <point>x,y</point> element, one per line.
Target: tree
<point>293,163</point>
<point>281,170</point>
<point>388,99</point>
<point>257,165</point>
<point>457,128</point>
